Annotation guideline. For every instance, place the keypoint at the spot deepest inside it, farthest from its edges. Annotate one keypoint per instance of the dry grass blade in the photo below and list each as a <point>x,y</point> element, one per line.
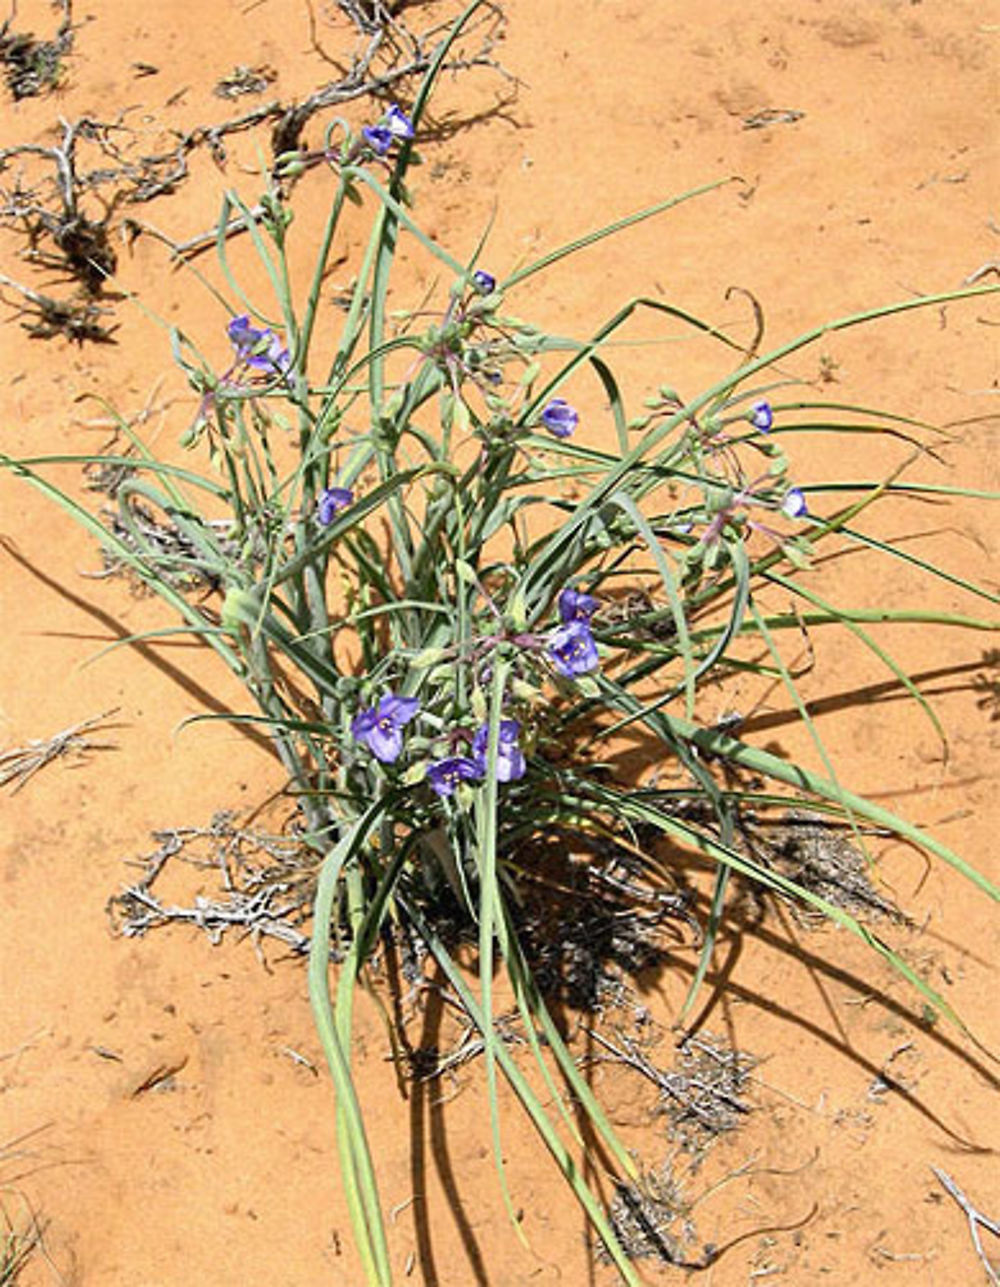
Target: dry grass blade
<point>21,763</point>
<point>18,1244</point>
<point>21,1233</point>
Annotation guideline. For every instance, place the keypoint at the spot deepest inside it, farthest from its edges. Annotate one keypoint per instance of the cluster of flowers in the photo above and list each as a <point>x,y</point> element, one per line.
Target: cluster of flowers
<point>380,728</point>
<point>572,651</point>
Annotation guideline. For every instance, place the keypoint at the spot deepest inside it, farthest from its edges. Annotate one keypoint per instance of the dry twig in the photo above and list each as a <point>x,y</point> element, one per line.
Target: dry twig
<point>20,764</point>
<point>267,882</point>
<point>976,1221</point>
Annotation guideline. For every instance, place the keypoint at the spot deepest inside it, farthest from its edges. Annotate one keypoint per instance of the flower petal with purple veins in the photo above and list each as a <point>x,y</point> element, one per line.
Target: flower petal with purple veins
<point>574,605</point>
<point>560,418</point>
<point>572,649</point>
<point>445,776</point>
<point>331,501</point>
<point>794,505</point>
<point>484,282</point>
<point>761,416</point>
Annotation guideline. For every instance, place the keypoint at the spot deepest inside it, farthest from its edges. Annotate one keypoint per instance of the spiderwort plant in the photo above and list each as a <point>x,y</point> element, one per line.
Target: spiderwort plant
<point>761,416</point>
<point>576,605</point>
<point>425,524</point>
<point>572,650</point>
<point>794,504</point>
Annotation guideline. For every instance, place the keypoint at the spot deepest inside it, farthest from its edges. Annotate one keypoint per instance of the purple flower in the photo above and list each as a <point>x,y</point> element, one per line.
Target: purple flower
<point>380,727</point>
<point>572,649</point>
<point>258,347</point>
<point>242,335</point>
<point>378,137</point>
<point>761,416</point>
<point>274,358</point>
<point>484,282</point>
<point>560,418</point>
<point>331,501</point>
<point>445,775</point>
<point>574,605</point>
<point>510,757</point>
<point>394,125</point>
<point>398,123</point>
<point>794,505</point>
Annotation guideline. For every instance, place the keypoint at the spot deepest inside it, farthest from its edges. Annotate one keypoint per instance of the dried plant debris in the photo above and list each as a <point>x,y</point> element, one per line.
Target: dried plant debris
<point>772,116</point>
<point>156,543</point>
<point>370,16</point>
<point>31,66</point>
<point>107,476</point>
<point>702,1096</point>
<point>245,80</point>
<point>20,764</point>
<point>817,854</point>
<point>428,1063</point>
<point>708,1095</point>
<point>585,945</point>
<point>977,1222</point>
<point>66,199</point>
<point>49,212</point>
<point>267,884</point>
<point>643,613</point>
<point>652,1220</point>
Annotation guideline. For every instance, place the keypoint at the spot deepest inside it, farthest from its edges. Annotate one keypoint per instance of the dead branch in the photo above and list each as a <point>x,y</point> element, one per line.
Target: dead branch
<point>976,1221</point>
<point>20,764</point>
<point>267,881</point>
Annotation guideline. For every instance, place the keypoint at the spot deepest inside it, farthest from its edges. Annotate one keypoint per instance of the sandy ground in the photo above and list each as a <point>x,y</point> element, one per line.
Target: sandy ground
<point>865,138</point>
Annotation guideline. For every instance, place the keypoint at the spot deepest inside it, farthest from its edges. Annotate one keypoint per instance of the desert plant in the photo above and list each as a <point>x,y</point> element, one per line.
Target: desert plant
<point>439,636</point>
